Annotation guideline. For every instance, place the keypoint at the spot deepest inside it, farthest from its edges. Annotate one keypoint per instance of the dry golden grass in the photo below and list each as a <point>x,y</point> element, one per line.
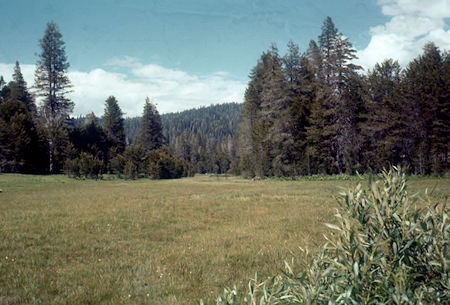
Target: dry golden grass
<point>66,241</point>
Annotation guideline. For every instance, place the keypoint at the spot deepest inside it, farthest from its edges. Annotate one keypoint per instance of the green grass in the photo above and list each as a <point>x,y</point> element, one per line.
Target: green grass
<point>66,241</point>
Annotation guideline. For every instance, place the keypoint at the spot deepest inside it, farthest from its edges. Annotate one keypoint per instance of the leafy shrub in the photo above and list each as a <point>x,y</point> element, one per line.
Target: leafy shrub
<point>72,168</point>
<point>129,164</point>
<point>136,155</point>
<point>157,164</point>
<point>161,164</point>
<point>130,170</point>
<point>86,165</point>
<point>384,250</point>
<point>117,165</point>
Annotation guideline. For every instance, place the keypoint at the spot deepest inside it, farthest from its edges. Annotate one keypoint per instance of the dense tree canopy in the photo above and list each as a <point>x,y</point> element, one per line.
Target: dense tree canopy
<point>19,145</point>
<point>302,114</point>
<point>316,113</point>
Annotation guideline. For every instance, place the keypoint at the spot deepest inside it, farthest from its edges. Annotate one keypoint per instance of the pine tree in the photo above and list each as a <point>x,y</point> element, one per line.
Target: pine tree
<point>19,91</point>
<point>250,134</point>
<point>2,82</point>
<point>441,124</point>
<point>4,90</point>
<point>278,142</point>
<point>314,57</point>
<point>384,104</point>
<point>90,137</point>
<point>261,133</point>
<point>327,45</point>
<point>19,147</point>
<point>300,94</point>
<point>319,136</point>
<point>113,124</point>
<point>150,135</point>
<point>353,114</point>
<point>330,106</point>
<point>426,93</point>
<point>52,84</point>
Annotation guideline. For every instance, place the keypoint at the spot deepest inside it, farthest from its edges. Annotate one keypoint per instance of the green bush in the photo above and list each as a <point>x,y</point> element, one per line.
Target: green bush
<point>117,165</point>
<point>129,164</point>
<point>136,155</point>
<point>157,164</point>
<point>72,168</point>
<point>130,170</point>
<point>161,164</point>
<point>86,165</point>
<point>383,250</point>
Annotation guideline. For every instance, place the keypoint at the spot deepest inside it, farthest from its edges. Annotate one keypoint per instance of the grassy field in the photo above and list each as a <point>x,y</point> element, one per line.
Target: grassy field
<point>66,241</point>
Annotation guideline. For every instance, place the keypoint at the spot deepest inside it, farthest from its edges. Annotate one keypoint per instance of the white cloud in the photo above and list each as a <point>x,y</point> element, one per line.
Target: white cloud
<point>429,8</point>
<point>126,62</point>
<point>172,90</point>
<point>413,23</point>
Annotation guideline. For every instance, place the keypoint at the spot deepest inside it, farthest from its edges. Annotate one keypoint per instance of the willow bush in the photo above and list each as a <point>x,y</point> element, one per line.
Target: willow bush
<point>84,166</point>
<point>383,249</point>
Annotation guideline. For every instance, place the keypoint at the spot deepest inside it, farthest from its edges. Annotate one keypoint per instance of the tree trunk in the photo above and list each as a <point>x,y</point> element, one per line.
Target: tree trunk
<point>51,155</point>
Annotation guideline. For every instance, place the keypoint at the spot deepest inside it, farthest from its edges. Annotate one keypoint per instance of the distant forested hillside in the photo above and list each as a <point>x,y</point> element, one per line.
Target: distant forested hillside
<point>204,136</point>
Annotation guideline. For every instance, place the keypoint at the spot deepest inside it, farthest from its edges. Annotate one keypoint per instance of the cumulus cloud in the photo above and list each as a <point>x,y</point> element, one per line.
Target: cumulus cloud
<point>172,90</point>
<point>413,23</point>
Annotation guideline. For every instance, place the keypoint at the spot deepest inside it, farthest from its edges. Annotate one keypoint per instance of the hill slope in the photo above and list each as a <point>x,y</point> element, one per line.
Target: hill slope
<point>202,136</point>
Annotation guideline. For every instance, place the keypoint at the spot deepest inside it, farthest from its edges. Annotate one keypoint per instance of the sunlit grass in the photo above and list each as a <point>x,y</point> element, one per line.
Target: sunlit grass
<point>66,241</point>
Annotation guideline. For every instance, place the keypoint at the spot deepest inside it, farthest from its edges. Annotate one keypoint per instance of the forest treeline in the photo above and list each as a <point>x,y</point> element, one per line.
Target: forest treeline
<point>46,139</point>
<point>317,113</point>
<point>306,113</point>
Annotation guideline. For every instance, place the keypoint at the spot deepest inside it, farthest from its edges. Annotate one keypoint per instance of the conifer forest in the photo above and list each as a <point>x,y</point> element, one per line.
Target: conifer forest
<point>309,111</point>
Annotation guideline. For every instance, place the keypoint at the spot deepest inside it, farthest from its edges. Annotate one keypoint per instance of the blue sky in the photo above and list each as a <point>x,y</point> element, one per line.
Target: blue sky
<point>185,54</point>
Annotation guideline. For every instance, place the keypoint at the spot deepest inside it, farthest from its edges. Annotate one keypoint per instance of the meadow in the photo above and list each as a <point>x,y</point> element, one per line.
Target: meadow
<point>68,241</point>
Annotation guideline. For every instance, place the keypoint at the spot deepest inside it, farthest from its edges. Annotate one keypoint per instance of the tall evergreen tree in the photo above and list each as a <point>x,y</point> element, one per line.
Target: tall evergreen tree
<point>278,141</point>
<point>53,85</point>
<point>4,90</point>
<point>2,82</point>
<point>441,124</point>
<point>91,138</point>
<point>384,105</point>
<point>426,93</point>
<point>261,133</point>
<point>327,45</point>
<point>250,128</point>
<point>150,135</point>
<point>300,94</point>
<point>319,136</point>
<point>330,124</point>
<point>19,91</point>
<point>314,57</point>
<point>352,112</point>
<point>113,124</point>
<point>19,146</point>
